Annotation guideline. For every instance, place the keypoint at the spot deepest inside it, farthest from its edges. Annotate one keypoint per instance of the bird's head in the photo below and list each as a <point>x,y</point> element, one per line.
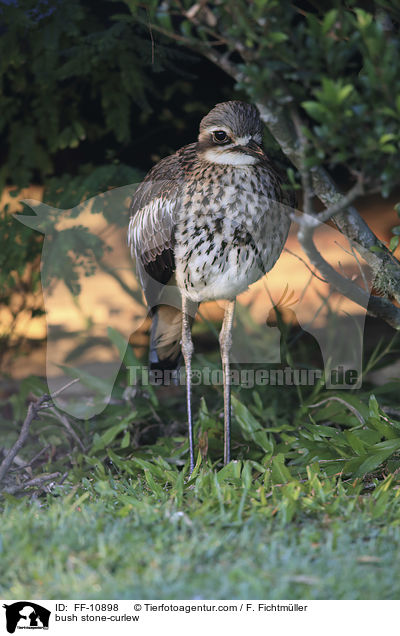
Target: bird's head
<point>231,134</point>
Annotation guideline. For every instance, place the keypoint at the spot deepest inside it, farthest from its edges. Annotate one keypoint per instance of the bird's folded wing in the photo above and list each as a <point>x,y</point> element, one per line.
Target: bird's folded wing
<point>154,212</point>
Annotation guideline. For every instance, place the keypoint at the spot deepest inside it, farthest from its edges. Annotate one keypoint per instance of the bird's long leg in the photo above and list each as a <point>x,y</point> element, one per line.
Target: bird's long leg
<point>187,351</point>
<point>225,343</point>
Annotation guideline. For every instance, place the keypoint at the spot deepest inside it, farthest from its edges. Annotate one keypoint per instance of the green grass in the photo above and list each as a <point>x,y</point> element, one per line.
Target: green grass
<point>309,509</point>
<point>214,537</point>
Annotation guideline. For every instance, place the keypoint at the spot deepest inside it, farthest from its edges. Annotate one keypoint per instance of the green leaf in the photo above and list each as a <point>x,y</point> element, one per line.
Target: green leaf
<point>371,463</point>
<point>154,487</point>
<point>110,434</point>
<point>390,445</point>
<point>122,464</point>
<point>344,92</point>
<point>373,406</point>
<point>280,473</point>
<point>277,37</point>
<point>315,110</point>
<point>364,19</point>
<point>247,421</point>
<point>387,137</point>
<point>250,427</point>
<point>355,443</point>
<point>329,20</point>
<point>389,149</point>
<point>126,440</point>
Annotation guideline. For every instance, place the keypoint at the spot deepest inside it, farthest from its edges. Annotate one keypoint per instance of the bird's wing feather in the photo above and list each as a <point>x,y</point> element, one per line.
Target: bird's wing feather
<point>153,210</point>
<point>154,213</point>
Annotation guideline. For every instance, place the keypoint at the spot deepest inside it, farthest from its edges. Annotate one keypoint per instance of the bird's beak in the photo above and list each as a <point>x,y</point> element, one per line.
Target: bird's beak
<point>253,149</point>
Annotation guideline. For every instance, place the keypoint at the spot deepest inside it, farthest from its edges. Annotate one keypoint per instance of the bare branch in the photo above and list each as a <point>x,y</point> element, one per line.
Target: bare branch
<point>24,466</point>
<point>339,207</point>
<point>65,422</point>
<point>310,221</point>
<point>35,482</point>
<point>338,399</point>
<point>64,388</point>
<point>345,216</point>
<point>352,252</point>
<point>376,306</point>
<point>306,264</point>
<point>33,410</point>
<point>379,307</point>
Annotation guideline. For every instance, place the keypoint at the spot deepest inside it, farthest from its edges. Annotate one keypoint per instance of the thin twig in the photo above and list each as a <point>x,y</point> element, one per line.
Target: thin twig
<point>32,461</point>
<point>338,399</point>
<point>63,478</point>
<point>306,264</point>
<point>353,253</point>
<point>391,411</point>
<point>151,37</point>
<point>306,286</point>
<point>33,410</point>
<point>309,222</point>
<point>63,388</point>
<point>65,422</point>
<point>324,303</point>
<point>36,481</point>
<point>344,202</point>
<point>308,193</point>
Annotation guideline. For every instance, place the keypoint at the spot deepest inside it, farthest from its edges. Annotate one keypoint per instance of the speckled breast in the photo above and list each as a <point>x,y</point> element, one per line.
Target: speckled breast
<point>231,230</point>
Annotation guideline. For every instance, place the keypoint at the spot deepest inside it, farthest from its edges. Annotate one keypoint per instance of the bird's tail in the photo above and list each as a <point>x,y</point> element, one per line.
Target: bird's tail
<point>165,339</point>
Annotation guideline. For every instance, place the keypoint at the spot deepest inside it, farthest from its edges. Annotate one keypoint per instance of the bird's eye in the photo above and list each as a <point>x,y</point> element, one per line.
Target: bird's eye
<point>220,136</point>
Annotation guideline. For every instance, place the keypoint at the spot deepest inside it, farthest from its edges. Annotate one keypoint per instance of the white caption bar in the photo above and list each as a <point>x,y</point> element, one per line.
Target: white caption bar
<point>22,617</point>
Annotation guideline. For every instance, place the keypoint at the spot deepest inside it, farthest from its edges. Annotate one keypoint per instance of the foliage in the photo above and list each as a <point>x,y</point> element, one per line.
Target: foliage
<point>311,491</point>
<point>130,524</point>
<point>340,435</point>
<point>338,61</point>
<point>81,92</point>
<point>314,486</point>
<point>79,71</point>
<point>19,275</point>
<point>21,248</point>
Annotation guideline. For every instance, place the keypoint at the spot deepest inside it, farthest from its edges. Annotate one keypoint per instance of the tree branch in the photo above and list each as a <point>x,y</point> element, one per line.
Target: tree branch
<point>379,307</point>
<point>385,266</point>
<point>345,215</point>
<point>309,222</point>
<point>35,482</point>
<point>33,410</point>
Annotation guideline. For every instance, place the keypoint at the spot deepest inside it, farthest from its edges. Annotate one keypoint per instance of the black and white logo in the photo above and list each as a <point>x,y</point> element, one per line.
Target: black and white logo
<point>26,615</point>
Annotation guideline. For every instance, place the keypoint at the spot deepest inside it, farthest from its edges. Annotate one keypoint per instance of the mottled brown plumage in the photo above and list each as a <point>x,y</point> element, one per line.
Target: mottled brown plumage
<point>207,222</point>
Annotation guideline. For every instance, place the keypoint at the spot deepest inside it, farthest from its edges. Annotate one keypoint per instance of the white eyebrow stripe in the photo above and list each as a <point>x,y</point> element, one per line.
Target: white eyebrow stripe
<point>212,129</point>
<point>242,141</point>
